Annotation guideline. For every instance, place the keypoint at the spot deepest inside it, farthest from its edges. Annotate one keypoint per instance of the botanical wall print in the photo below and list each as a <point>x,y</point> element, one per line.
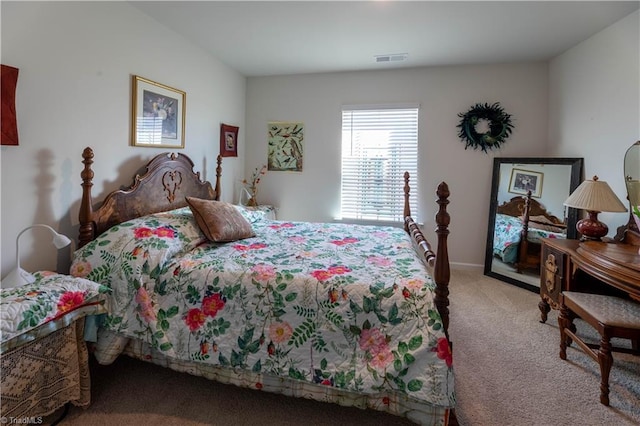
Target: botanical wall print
<point>484,126</point>
<point>158,114</point>
<point>523,181</point>
<point>286,147</point>
<point>228,140</point>
<point>9,82</point>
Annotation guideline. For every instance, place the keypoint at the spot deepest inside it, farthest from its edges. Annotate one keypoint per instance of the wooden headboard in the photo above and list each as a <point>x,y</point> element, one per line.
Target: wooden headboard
<point>516,207</point>
<point>168,179</point>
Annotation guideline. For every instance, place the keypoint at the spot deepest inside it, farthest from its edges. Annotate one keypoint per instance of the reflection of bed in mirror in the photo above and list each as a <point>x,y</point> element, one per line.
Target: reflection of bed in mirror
<point>520,225</point>
<point>545,216</point>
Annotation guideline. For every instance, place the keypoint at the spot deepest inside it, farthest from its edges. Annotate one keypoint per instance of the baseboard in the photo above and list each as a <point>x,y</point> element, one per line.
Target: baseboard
<point>467,266</point>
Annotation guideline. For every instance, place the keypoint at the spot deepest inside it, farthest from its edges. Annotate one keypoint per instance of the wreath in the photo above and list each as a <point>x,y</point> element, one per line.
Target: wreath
<point>497,126</point>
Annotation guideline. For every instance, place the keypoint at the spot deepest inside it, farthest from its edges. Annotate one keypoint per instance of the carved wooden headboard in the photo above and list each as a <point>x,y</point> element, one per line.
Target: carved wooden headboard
<point>168,179</point>
<point>516,206</point>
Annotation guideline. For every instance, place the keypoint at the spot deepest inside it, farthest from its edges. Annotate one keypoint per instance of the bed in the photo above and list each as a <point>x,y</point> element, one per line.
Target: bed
<point>349,314</point>
<point>520,217</point>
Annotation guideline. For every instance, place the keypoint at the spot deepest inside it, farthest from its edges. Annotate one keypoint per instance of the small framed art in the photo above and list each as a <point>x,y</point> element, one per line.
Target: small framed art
<point>228,140</point>
<point>158,114</point>
<point>523,181</point>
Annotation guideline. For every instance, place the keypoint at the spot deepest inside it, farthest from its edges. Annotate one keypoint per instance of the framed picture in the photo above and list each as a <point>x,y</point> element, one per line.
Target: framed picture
<point>286,146</point>
<point>158,114</point>
<point>526,180</point>
<point>228,140</point>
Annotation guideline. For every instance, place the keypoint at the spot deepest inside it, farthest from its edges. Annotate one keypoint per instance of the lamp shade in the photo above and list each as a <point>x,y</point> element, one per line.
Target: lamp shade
<point>596,196</point>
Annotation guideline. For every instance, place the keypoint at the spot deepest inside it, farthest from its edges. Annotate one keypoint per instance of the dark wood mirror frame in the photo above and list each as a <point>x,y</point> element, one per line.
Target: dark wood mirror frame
<point>576,176</point>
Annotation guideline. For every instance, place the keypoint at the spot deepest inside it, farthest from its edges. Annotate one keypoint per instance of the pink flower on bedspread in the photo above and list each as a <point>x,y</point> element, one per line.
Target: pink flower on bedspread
<point>70,300</point>
<point>339,270</point>
<point>282,225</point>
<point>321,275</point>
<point>414,284</point>
<point>212,304</point>
<point>142,297</point>
<point>80,269</point>
<point>280,331</point>
<point>194,319</point>
<point>371,339</point>
<point>382,358</point>
<point>254,246</point>
<point>444,351</point>
<point>263,273</point>
<point>145,305</point>
<point>380,261</point>
<point>297,239</point>
<point>143,232</point>
<point>164,232</point>
<point>345,241</point>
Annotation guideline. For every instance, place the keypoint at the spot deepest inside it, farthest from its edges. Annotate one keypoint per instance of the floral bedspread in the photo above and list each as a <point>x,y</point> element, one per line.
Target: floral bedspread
<point>51,302</point>
<point>506,237</point>
<point>337,305</point>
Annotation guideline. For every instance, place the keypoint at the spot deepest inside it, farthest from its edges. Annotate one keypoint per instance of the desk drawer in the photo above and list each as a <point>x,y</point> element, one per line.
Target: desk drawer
<point>553,274</point>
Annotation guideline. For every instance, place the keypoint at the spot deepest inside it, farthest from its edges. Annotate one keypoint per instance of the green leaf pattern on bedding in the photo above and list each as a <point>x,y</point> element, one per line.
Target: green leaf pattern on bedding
<point>333,304</point>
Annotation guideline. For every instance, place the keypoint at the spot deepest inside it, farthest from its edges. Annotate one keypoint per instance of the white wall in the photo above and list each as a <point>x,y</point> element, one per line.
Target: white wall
<point>442,92</point>
<point>594,104</point>
<point>74,89</point>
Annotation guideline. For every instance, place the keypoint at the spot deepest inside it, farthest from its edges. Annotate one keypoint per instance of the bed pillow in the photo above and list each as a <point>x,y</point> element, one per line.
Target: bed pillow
<point>219,221</point>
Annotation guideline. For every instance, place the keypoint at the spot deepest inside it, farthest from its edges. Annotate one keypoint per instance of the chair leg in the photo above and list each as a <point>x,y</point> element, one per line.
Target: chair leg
<point>565,321</point>
<point>606,361</point>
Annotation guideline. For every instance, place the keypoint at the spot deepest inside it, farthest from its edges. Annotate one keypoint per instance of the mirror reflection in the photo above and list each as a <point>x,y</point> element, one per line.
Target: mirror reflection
<point>527,199</point>
<point>632,178</point>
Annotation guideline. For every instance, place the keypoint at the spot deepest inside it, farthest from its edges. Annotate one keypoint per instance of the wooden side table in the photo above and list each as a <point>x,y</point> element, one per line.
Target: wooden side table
<point>556,272</point>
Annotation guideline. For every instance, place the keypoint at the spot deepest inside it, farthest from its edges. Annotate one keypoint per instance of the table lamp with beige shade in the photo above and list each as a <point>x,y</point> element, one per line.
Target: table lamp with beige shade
<point>594,196</point>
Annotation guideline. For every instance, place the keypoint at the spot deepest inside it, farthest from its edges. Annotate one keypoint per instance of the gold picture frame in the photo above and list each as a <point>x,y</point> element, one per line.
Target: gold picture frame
<point>158,114</point>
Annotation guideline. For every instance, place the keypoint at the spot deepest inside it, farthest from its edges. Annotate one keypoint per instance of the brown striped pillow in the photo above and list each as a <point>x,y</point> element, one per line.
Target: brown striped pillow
<point>219,221</point>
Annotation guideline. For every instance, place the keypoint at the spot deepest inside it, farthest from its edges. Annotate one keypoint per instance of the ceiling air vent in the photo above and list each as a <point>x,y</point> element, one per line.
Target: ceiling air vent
<point>396,57</point>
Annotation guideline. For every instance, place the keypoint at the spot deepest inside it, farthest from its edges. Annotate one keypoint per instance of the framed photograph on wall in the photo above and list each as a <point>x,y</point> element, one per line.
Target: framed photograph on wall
<point>526,180</point>
<point>158,114</point>
<point>228,140</point>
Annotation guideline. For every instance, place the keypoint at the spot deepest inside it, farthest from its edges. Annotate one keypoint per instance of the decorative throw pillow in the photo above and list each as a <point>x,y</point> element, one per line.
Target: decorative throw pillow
<point>219,221</point>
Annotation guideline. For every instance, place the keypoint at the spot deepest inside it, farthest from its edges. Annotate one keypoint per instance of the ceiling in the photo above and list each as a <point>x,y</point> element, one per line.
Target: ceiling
<point>283,37</point>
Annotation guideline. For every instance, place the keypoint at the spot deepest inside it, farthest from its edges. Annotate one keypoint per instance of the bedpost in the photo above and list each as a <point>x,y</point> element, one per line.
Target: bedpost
<point>523,249</point>
<point>407,208</point>
<point>218,174</point>
<point>87,229</point>
<point>442,273</point>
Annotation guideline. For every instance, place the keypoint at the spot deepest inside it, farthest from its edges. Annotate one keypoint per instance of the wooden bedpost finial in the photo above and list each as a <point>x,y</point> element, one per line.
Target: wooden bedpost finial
<point>218,174</point>
<point>407,209</point>
<point>443,273</point>
<point>86,206</point>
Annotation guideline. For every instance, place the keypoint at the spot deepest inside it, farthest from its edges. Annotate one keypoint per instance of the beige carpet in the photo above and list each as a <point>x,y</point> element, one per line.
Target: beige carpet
<point>507,373</point>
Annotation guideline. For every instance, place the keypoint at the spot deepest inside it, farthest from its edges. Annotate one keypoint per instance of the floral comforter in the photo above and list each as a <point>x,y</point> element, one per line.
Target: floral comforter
<point>506,237</point>
<point>336,305</point>
<point>51,302</point>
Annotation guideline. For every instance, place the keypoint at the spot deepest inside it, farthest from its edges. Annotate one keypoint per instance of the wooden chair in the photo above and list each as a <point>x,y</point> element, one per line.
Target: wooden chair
<point>611,317</point>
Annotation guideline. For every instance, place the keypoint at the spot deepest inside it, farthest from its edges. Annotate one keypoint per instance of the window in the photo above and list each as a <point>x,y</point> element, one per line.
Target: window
<point>378,145</point>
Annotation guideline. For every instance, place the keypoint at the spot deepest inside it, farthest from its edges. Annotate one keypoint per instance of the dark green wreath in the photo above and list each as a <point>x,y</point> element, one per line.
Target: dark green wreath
<point>500,126</point>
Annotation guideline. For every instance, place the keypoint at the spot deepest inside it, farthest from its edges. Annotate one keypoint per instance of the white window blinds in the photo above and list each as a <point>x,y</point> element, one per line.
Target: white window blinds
<point>378,145</point>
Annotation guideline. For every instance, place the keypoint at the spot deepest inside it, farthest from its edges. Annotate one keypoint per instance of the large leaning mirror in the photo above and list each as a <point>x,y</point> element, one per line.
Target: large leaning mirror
<point>527,197</point>
<point>632,179</point>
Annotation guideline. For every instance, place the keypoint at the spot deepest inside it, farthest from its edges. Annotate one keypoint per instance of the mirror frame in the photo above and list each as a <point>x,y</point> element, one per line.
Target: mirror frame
<point>577,166</point>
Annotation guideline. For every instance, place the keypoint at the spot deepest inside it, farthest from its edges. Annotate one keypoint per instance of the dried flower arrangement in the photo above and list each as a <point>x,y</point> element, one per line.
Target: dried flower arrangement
<point>251,185</point>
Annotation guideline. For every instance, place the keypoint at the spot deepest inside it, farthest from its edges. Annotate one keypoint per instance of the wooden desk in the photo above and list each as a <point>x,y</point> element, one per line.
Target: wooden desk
<point>614,264</point>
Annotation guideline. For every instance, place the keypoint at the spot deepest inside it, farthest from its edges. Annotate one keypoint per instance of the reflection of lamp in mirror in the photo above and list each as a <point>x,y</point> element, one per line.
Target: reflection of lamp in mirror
<point>19,277</point>
<point>594,196</point>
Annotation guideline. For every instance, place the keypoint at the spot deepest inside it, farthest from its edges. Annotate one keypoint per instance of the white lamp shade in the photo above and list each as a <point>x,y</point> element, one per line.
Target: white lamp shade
<point>595,195</point>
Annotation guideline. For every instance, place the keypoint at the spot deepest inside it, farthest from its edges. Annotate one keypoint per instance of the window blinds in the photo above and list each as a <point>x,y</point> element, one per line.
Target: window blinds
<point>378,145</point>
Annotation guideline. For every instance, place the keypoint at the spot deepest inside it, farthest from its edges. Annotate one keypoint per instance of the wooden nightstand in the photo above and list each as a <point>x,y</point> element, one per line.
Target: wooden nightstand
<point>555,272</point>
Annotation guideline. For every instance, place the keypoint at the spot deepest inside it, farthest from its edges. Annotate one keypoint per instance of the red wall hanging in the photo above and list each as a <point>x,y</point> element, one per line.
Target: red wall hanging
<point>9,80</point>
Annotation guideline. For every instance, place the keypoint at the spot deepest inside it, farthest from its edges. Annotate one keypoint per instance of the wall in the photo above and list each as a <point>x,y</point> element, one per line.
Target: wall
<point>76,60</point>
<point>594,104</point>
<point>442,92</point>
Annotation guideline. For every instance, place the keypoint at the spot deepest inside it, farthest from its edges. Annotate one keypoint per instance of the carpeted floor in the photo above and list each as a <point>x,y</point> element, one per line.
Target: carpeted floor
<point>506,363</point>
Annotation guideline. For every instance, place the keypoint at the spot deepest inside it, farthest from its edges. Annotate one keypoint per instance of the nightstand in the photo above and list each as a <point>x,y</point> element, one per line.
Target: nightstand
<point>555,272</point>
<point>268,210</point>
